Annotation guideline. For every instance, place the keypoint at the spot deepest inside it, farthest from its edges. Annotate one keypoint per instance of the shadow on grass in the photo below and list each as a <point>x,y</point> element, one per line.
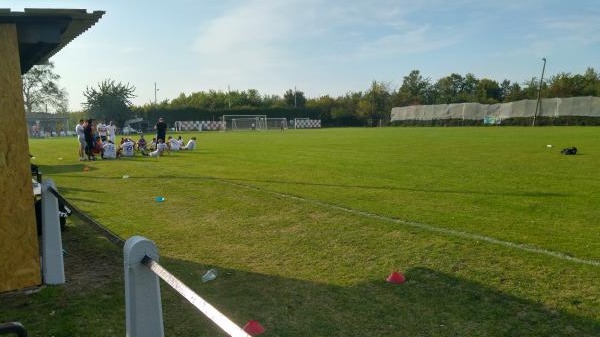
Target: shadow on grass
<point>53,169</point>
<point>429,303</point>
<point>347,186</point>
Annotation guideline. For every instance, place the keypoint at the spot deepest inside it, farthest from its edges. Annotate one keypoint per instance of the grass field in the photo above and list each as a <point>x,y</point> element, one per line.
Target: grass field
<point>496,233</point>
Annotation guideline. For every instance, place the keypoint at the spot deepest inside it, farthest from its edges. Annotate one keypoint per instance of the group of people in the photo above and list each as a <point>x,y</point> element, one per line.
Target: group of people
<point>99,139</point>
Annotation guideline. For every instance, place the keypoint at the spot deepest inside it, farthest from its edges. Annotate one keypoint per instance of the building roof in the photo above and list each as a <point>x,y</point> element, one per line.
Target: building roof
<point>44,32</point>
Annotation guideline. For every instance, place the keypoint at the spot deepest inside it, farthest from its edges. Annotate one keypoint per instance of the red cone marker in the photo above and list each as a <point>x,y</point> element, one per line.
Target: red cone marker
<point>253,328</point>
<point>396,278</point>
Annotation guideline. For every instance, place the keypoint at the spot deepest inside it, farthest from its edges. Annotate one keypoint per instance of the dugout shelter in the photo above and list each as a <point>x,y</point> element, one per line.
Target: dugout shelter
<point>27,38</point>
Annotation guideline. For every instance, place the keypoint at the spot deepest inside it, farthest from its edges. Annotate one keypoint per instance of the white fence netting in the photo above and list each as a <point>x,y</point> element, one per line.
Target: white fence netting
<point>550,107</point>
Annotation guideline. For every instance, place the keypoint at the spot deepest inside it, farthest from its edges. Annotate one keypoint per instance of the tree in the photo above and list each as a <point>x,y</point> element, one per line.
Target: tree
<point>448,89</point>
<point>294,98</point>
<point>591,80</point>
<point>415,90</point>
<point>468,90</point>
<point>530,88</point>
<point>488,91</point>
<point>567,85</point>
<point>40,89</point>
<point>110,101</point>
<point>510,92</point>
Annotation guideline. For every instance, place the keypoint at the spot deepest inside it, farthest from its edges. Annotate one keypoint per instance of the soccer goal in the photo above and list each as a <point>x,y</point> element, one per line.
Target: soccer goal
<point>277,123</point>
<point>244,122</point>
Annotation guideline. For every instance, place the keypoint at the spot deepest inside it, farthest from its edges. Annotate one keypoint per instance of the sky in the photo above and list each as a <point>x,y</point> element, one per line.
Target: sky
<point>319,47</point>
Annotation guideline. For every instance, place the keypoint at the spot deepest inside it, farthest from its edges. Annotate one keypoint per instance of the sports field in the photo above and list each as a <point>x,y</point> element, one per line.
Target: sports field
<point>497,233</point>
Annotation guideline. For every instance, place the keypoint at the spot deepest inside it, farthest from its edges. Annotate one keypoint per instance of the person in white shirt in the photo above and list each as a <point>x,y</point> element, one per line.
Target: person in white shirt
<point>127,148</point>
<point>112,131</point>
<point>102,130</point>
<point>173,144</point>
<point>191,144</point>
<point>161,147</point>
<point>110,150</point>
<point>81,139</point>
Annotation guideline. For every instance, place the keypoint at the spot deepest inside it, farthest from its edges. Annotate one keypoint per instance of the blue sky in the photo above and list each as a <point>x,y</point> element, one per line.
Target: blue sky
<point>319,46</point>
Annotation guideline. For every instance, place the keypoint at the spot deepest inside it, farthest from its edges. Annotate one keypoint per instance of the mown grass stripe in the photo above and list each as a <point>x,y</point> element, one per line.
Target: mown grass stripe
<point>422,226</point>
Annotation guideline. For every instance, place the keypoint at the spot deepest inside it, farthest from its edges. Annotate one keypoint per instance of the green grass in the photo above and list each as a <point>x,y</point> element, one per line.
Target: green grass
<point>304,227</point>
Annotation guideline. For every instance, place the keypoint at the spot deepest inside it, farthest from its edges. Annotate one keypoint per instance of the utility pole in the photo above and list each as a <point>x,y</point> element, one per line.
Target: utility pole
<point>538,105</point>
<point>295,104</point>
<point>155,90</point>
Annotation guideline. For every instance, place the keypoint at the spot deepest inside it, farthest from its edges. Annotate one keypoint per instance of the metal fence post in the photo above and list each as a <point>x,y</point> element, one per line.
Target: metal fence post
<point>53,267</point>
<point>143,310</point>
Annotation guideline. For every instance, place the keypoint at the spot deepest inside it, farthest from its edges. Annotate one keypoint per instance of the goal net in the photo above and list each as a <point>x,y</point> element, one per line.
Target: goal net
<point>244,122</point>
<point>276,123</point>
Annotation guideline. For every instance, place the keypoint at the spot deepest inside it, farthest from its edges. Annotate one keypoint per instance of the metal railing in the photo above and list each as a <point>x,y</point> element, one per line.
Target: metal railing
<point>142,293</point>
<point>142,270</point>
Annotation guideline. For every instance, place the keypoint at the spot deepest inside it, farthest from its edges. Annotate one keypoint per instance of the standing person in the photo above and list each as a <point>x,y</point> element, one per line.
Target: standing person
<point>80,139</point>
<point>88,133</point>
<point>112,131</point>
<point>161,129</point>
<point>102,131</point>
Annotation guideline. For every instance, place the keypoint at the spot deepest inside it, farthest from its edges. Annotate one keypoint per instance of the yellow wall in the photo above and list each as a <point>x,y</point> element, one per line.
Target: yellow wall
<point>19,251</point>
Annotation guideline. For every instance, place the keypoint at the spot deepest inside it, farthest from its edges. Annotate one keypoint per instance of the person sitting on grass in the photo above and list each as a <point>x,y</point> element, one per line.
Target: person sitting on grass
<point>98,147</point>
<point>141,143</point>
<point>173,144</point>
<point>110,150</point>
<point>161,147</point>
<point>152,145</point>
<point>191,144</point>
<point>127,148</point>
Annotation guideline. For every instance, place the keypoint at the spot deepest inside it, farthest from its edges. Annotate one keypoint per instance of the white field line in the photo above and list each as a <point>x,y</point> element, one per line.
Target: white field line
<point>446,231</point>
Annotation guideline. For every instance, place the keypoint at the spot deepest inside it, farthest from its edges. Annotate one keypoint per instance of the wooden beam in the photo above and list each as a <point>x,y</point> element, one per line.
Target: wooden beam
<point>19,247</point>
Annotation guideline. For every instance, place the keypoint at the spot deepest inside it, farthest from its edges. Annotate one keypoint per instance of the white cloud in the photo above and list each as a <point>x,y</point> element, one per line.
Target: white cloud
<point>417,40</point>
<point>582,29</point>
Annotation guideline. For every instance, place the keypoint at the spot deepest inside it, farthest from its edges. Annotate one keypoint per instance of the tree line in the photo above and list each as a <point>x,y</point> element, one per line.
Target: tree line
<point>111,100</point>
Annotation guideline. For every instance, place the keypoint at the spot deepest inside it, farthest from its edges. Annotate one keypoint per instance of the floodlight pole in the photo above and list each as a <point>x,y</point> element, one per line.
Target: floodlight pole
<point>229,96</point>
<point>155,90</point>
<point>538,104</point>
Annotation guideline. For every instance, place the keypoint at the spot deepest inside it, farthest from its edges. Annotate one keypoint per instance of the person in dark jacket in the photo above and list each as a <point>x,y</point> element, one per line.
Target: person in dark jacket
<point>161,129</point>
<point>88,134</point>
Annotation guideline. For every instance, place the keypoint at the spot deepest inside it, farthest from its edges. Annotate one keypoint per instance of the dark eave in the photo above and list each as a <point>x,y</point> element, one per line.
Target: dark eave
<point>44,32</point>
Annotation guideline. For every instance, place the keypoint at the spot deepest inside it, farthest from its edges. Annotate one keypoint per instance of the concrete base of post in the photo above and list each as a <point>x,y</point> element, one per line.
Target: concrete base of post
<point>53,267</point>
<point>142,290</point>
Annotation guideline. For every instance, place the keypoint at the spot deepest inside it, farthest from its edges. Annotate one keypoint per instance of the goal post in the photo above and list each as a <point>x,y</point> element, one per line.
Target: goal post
<point>244,122</point>
<point>277,123</point>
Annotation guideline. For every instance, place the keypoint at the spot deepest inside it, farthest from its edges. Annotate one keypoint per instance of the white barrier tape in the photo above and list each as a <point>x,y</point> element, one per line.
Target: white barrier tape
<point>206,308</point>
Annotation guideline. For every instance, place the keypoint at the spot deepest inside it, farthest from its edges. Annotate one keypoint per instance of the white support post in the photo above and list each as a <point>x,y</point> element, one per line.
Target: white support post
<point>143,310</point>
<point>53,267</point>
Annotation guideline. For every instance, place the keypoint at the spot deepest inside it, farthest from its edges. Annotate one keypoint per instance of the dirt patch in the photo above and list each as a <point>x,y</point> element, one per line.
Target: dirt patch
<point>91,260</point>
